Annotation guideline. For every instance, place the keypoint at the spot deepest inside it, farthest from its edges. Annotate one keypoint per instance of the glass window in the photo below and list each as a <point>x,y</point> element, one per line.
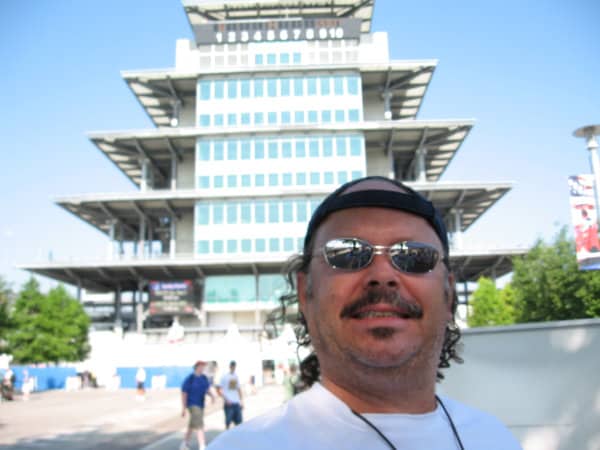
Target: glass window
<point>300,179</point>
<point>314,203</point>
<point>301,211</point>
<point>313,117</point>
<point>231,181</point>
<point>313,148</point>
<point>338,85</point>
<point>258,87</point>
<point>246,212</point>
<point>272,87</point>
<point>355,146</point>
<point>259,180</point>
<point>231,88</point>
<point>232,150</point>
<point>219,88</point>
<point>204,90</point>
<point>273,245</point>
<point>202,247</point>
<point>297,57</point>
<point>231,246</point>
<point>286,179</point>
<point>273,150</point>
<point>258,118</point>
<point>273,179</point>
<point>259,150</point>
<point>261,245</point>
<point>352,85</point>
<point>342,177</point>
<point>328,177</point>
<point>325,85</point>
<point>284,58</point>
<point>356,174</point>
<point>340,144</point>
<point>218,181</point>
<point>340,115</point>
<point>286,117</point>
<point>245,88</point>
<point>315,178</point>
<point>285,87</point>
<point>231,119</point>
<point>259,212</point>
<point>218,246</point>
<point>204,120</point>
<point>327,147</point>
<point>218,150</point>
<point>271,58</point>
<point>246,118</point>
<point>288,244</point>
<point>288,211</point>
<point>246,245</point>
<point>203,182</point>
<point>258,59</point>
<point>299,117</point>
<point>286,149</point>
<point>202,214</point>
<point>204,151</point>
<point>232,213</point>
<point>245,152</point>
<point>219,120</point>
<point>311,85</point>
<point>298,87</point>
<point>217,210</point>
<point>326,116</point>
<point>299,243</point>
<point>273,211</point>
<point>230,288</point>
<point>300,149</point>
<point>272,117</point>
<point>353,115</point>
<point>246,180</point>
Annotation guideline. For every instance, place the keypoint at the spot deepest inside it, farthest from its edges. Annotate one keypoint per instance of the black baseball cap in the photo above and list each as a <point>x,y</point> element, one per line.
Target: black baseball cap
<point>409,201</point>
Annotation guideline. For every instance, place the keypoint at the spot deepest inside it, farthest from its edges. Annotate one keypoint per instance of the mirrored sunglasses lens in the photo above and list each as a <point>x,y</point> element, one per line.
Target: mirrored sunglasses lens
<point>349,254</point>
<point>414,257</point>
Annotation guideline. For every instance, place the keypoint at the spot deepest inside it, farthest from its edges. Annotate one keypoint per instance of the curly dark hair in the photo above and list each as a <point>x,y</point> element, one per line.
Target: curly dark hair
<point>287,311</point>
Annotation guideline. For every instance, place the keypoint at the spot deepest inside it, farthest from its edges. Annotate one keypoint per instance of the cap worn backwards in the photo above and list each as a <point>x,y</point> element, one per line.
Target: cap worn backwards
<point>409,201</point>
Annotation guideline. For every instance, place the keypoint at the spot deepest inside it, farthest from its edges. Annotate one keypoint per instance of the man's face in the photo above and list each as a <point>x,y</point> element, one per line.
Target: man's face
<point>378,335</point>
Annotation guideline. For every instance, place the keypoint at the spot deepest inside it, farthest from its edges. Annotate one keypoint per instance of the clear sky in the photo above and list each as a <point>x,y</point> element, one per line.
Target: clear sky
<point>528,72</point>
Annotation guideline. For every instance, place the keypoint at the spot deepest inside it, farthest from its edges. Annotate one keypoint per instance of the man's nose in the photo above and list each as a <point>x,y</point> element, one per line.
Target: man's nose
<point>381,272</point>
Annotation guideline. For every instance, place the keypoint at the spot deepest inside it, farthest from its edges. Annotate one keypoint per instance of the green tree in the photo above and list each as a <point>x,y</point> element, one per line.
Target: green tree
<point>50,328</point>
<point>548,284</point>
<point>5,322</point>
<point>491,306</point>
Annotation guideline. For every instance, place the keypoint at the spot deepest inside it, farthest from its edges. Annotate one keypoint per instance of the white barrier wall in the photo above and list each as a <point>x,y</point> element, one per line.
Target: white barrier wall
<point>542,380</point>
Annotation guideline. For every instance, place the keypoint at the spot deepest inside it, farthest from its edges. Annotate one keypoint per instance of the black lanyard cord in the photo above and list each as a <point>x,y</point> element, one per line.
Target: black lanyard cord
<point>392,447</point>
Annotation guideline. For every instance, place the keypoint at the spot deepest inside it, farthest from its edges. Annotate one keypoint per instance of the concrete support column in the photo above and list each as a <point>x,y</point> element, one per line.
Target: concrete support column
<point>139,307</point>
<point>118,312</point>
<point>257,320</point>
<point>173,238</point>
<point>142,239</point>
<point>387,104</point>
<point>111,237</point>
<point>174,163</point>
<point>421,166</point>
<point>144,180</point>
<point>457,239</point>
<point>79,291</point>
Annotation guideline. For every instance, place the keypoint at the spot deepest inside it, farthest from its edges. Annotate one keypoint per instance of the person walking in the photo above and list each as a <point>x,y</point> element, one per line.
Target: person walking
<point>140,380</point>
<point>193,392</point>
<point>377,303</point>
<point>229,388</point>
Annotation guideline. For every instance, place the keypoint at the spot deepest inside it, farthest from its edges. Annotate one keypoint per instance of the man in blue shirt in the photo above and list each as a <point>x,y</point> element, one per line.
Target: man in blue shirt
<point>193,390</point>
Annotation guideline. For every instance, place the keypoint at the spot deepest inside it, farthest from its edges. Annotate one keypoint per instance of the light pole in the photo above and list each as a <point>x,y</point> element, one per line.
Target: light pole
<point>589,132</point>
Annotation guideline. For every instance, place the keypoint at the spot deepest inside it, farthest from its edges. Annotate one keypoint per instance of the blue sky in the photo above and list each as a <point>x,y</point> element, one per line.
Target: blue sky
<point>528,72</point>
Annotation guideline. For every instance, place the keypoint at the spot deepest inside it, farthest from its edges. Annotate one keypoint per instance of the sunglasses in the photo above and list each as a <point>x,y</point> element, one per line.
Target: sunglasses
<point>356,254</point>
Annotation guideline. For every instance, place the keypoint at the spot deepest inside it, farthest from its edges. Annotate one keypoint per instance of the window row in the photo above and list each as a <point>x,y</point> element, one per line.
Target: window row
<point>258,245</point>
<point>288,210</point>
<point>293,147</point>
<point>280,117</point>
<point>278,58</point>
<point>277,179</point>
<point>242,288</point>
<point>323,85</point>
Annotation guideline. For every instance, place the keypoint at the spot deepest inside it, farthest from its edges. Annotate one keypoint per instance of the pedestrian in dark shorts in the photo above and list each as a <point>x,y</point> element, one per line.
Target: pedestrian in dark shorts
<point>193,390</point>
<point>230,390</point>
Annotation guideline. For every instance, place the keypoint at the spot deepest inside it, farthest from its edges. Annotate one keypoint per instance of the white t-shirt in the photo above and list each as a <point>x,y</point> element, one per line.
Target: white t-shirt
<point>230,383</point>
<point>317,420</point>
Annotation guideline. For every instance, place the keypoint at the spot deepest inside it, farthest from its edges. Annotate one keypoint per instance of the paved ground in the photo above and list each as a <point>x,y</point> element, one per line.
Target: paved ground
<point>100,419</point>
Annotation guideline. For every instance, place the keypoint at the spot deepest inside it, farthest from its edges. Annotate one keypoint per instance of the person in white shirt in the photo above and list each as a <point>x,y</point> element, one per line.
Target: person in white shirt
<point>376,301</point>
<point>229,388</point>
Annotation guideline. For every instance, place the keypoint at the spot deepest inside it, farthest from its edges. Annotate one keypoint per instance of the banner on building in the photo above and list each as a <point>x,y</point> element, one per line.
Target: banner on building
<point>171,297</point>
<point>585,221</point>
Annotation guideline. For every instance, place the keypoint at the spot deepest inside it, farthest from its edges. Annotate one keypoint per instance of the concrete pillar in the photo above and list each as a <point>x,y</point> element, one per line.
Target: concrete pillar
<point>421,166</point>
<point>173,233</point>
<point>144,180</point>
<point>457,239</point>
<point>174,172</point>
<point>118,312</point>
<point>142,239</point>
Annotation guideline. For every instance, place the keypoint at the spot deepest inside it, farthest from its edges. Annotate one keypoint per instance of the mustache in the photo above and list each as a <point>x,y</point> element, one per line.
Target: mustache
<point>386,296</point>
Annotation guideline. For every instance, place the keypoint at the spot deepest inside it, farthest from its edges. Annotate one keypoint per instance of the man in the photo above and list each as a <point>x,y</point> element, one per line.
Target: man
<point>377,302</point>
<point>193,390</point>
<point>230,390</point>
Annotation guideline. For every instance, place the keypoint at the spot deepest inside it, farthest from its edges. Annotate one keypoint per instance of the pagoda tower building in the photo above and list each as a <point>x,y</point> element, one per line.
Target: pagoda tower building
<point>270,107</point>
